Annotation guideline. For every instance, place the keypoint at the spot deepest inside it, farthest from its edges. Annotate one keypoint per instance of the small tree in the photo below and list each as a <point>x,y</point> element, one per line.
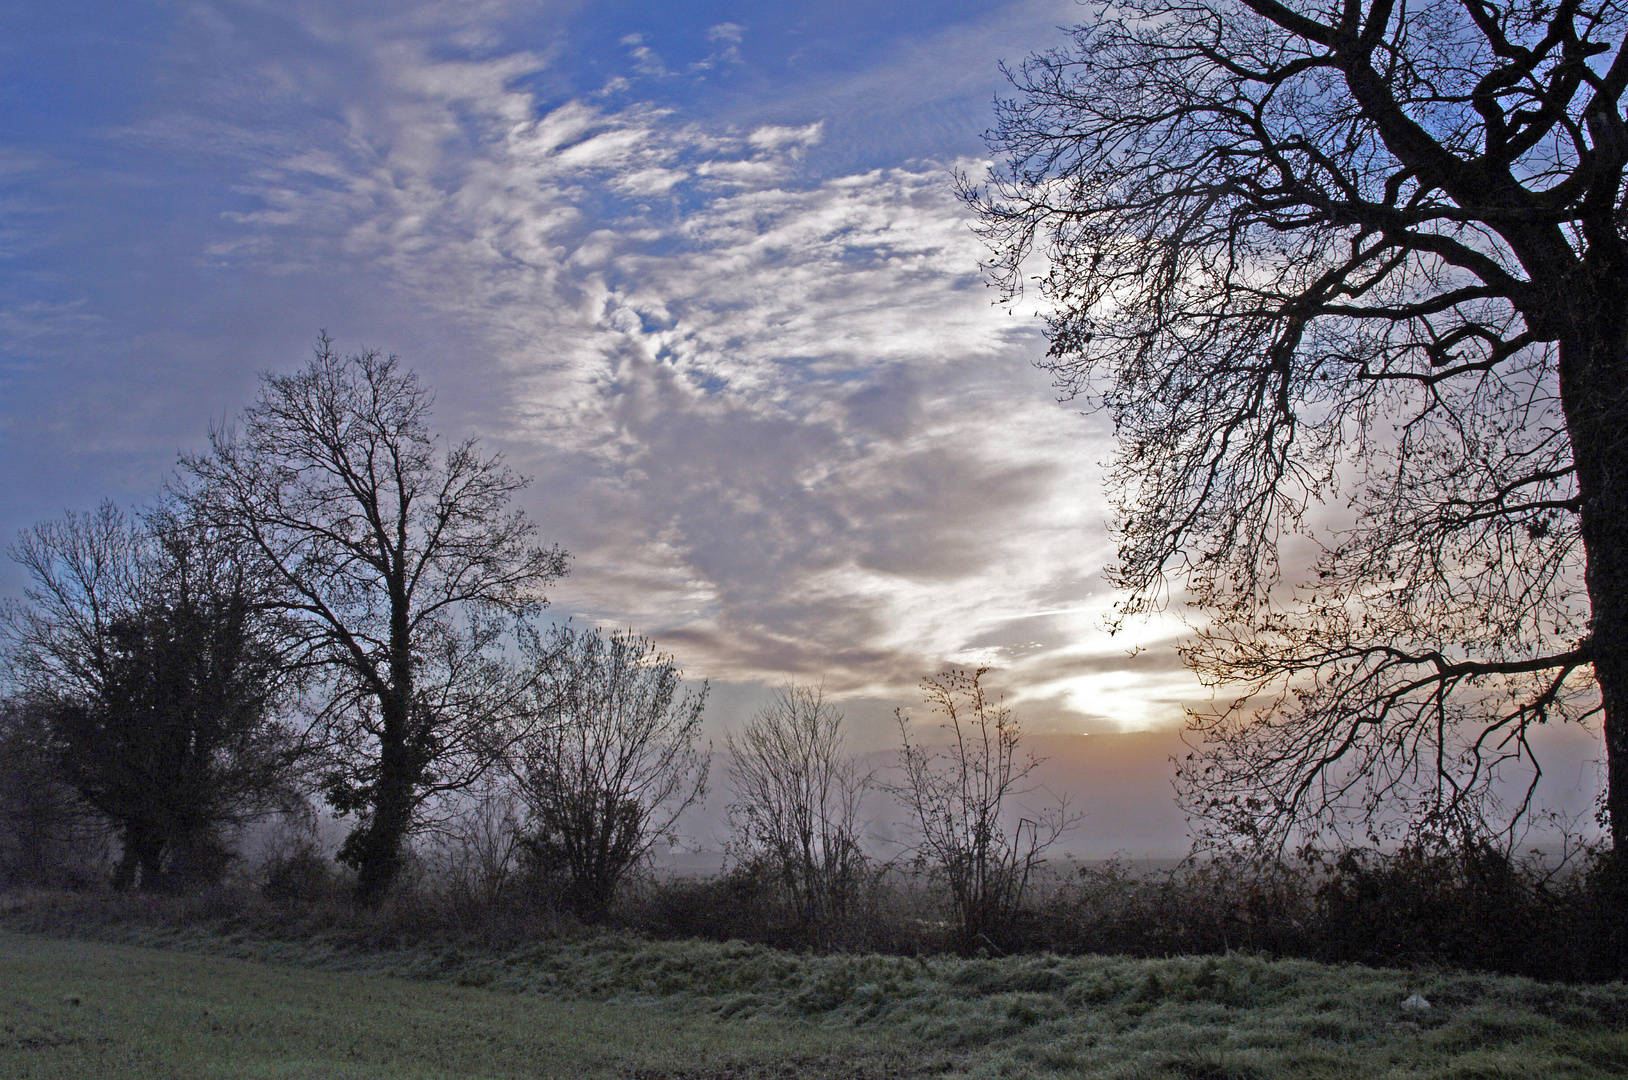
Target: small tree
<point>399,563</point>
<point>612,762</point>
<point>159,678</point>
<point>797,801</point>
<point>959,798</point>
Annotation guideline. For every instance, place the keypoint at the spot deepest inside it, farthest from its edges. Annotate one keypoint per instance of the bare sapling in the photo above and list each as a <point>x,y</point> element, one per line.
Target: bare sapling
<point>796,803</point>
<point>961,796</point>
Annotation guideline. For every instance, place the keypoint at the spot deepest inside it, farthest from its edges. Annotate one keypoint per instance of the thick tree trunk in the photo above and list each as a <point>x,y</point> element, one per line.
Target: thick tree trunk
<point>379,854</point>
<point>1611,668</point>
<point>141,863</point>
<point>1594,389</point>
<point>124,871</point>
<point>391,815</point>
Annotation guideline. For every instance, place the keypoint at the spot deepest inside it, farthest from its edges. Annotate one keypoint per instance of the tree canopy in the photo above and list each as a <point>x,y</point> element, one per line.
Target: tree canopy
<point>159,676</point>
<point>399,558</point>
<point>1352,271</point>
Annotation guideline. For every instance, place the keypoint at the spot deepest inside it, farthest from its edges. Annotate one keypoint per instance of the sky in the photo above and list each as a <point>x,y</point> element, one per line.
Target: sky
<point>696,269</point>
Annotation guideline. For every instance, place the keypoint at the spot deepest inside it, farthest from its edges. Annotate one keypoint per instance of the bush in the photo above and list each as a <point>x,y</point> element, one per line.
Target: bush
<point>301,872</point>
<point>796,811</point>
<point>1471,907</point>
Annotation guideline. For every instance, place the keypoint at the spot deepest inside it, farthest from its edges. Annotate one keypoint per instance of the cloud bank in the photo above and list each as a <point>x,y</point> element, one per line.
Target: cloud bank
<point>769,408</point>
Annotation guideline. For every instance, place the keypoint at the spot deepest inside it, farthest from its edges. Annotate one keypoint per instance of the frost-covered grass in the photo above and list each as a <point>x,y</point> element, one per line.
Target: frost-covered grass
<point>95,1011</point>
<point>621,1006</point>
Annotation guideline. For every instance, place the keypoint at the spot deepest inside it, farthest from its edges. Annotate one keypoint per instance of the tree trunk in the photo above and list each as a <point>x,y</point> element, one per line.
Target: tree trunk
<point>1594,391</point>
<point>124,871</point>
<point>379,852</point>
<point>141,863</point>
<point>1611,668</point>
<point>391,816</point>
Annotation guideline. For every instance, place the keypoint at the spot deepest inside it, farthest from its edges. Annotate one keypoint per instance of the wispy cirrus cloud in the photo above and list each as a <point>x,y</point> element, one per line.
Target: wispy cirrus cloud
<point>770,409</point>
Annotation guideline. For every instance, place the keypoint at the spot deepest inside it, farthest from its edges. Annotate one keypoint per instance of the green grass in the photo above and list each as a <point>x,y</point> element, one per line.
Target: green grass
<point>213,1005</point>
<point>92,1010</point>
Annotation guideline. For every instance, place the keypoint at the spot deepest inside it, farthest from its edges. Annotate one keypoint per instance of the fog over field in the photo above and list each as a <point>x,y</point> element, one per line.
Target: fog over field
<point>1120,782</point>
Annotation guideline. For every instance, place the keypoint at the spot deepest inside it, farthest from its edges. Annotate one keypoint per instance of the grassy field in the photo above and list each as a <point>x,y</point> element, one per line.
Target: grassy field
<point>91,1010</point>
<point>620,1007</point>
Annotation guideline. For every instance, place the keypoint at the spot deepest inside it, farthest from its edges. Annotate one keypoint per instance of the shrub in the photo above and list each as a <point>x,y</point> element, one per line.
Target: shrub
<point>294,868</point>
<point>796,810</point>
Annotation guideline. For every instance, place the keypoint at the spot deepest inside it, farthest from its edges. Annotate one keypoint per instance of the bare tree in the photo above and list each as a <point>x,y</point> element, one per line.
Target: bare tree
<point>797,799</point>
<point>477,845</point>
<point>145,648</point>
<point>961,797</point>
<point>401,559</point>
<point>1364,252</point>
<point>611,762</point>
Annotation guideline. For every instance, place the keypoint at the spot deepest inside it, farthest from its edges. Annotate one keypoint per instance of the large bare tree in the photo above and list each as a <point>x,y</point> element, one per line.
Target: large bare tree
<point>401,558</point>
<point>1370,253</point>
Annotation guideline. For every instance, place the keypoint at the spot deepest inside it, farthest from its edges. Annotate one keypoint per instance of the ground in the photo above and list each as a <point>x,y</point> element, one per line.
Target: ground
<point>218,1006</point>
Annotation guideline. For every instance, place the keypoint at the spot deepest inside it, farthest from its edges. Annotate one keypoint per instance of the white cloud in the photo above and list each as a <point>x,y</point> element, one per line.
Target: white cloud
<point>774,416</point>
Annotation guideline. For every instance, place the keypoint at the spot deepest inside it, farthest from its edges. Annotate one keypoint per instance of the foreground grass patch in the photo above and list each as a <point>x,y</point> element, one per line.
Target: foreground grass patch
<point>210,1005</point>
<point>81,1010</point>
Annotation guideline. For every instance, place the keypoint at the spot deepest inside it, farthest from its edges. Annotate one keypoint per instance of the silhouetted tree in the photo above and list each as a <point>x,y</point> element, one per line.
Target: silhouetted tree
<point>1366,252</point>
<point>399,560</point>
<point>159,678</point>
<point>611,762</point>
<point>797,801</point>
<point>962,795</point>
<point>48,836</point>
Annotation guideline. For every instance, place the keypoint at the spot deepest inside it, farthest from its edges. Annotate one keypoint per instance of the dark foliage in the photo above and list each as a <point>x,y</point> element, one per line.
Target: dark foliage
<point>1474,908</point>
<point>48,835</point>
<point>739,904</point>
<point>1467,907</point>
<point>154,676</point>
<point>176,744</point>
<point>295,871</point>
<point>889,911</point>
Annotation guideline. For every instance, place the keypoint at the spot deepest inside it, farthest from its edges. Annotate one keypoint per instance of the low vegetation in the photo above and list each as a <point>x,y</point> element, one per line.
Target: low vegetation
<point>1471,908</point>
<point>693,1009</point>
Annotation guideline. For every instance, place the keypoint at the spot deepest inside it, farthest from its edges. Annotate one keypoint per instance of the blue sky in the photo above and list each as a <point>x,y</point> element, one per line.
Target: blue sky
<point>696,268</point>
